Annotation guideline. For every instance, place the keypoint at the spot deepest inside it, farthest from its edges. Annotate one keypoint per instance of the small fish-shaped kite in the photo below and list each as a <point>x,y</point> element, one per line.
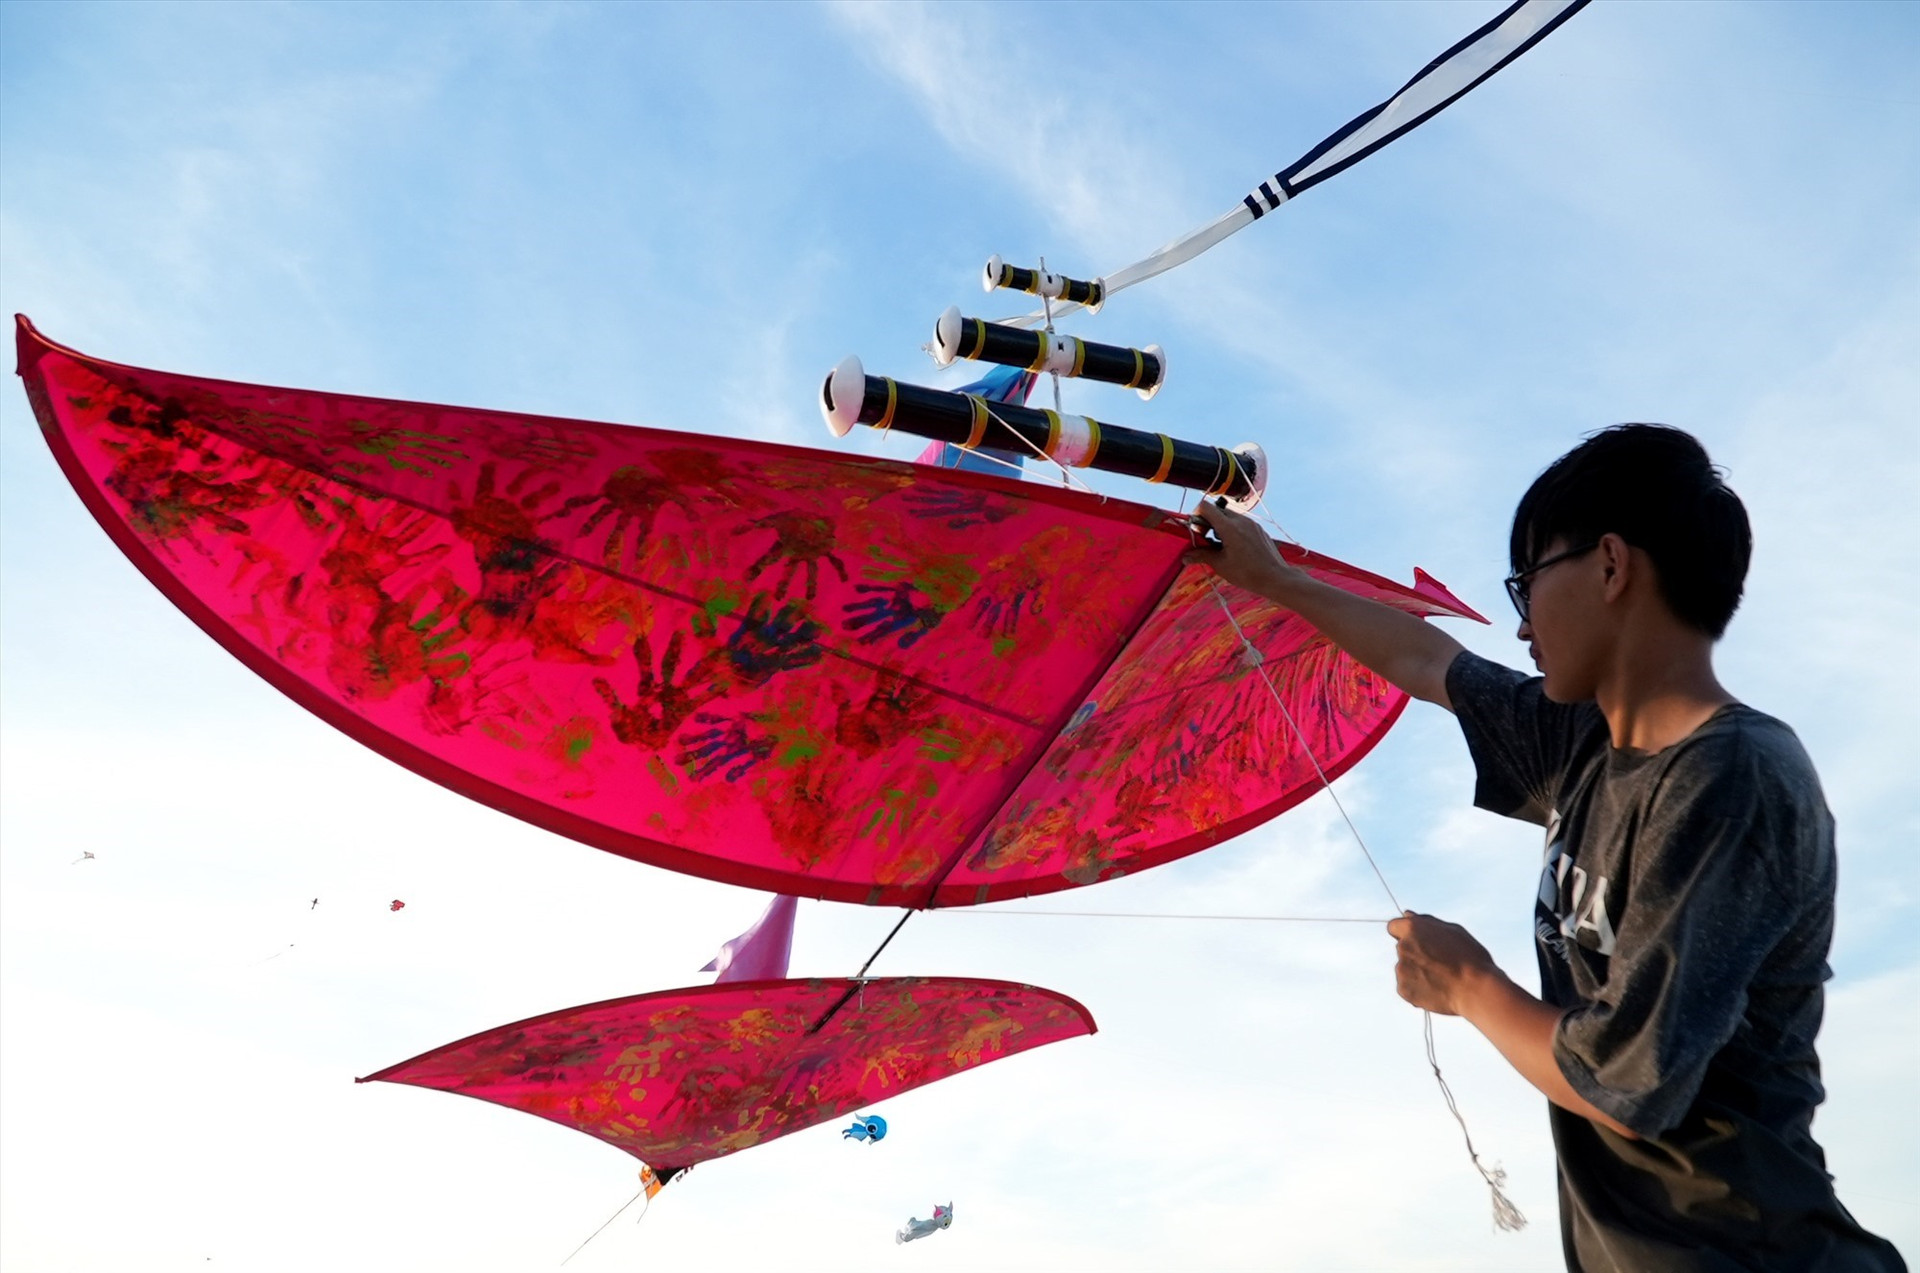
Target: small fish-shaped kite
<point>917,1229</point>
<point>867,1127</point>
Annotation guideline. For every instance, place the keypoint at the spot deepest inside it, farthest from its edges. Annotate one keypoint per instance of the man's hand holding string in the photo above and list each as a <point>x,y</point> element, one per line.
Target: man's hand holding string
<point>1443,969</point>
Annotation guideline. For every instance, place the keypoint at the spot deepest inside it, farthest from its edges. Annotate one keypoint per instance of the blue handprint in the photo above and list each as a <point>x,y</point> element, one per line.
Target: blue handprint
<point>725,742</point>
<point>891,610</point>
<point>960,507</point>
<point>769,642</point>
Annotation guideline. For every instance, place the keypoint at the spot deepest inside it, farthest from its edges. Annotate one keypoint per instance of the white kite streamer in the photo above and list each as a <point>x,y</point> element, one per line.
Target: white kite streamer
<point>1439,84</point>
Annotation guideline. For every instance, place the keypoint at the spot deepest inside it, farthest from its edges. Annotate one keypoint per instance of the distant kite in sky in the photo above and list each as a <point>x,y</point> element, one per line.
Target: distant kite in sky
<point>870,1128</point>
<point>917,1229</point>
<point>85,856</point>
<point>396,905</point>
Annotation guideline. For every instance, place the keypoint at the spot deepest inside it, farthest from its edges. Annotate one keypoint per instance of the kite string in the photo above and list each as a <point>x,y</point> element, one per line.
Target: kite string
<point>1260,510</point>
<point>610,1219</point>
<point>1270,919</point>
<point>982,454</point>
<point>1066,474</point>
<point>1252,654</point>
<point>1505,1215</point>
<point>1046,307</point>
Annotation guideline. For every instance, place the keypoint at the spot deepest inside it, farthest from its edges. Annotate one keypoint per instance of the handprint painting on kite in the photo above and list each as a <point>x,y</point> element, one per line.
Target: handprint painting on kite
<point>680,1077</point>
<point>825,676</point>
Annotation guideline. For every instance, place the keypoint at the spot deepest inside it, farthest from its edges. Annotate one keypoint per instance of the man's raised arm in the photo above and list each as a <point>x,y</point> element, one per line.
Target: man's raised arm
<point>1409,652</point>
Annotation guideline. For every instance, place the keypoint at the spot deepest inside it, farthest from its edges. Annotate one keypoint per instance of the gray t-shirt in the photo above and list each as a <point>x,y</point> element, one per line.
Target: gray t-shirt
<point>1683,919</point>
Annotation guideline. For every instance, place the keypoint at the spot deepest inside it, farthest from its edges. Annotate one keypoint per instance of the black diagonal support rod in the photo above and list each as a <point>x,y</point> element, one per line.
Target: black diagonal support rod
<point>859,978</point>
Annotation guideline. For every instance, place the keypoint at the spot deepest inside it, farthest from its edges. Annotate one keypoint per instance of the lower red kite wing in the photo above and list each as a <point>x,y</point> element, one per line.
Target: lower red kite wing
<point>681,1076</point>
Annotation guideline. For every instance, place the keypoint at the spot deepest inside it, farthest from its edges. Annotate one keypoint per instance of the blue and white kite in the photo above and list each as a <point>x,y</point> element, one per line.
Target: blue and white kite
<point>867,1127</point>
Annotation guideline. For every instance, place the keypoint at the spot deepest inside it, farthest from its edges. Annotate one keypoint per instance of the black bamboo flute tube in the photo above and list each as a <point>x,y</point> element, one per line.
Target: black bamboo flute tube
<point>1055,287</point>
<point>849,396</point>
<point>1142,370</point>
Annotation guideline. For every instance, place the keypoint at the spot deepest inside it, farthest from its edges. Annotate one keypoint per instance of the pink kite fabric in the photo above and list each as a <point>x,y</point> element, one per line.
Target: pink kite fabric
<point>682,1076</point>
<point>760,953</point>
<point>797,671</point>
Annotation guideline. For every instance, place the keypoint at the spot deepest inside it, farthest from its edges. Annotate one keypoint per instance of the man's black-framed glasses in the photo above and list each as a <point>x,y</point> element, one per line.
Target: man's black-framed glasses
<point>1519,589</point>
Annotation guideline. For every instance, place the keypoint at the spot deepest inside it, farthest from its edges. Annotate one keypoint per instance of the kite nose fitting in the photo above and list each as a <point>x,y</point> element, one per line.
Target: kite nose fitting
<point>1253,461</point>
<point>841,394</point>
<point>946,336</point>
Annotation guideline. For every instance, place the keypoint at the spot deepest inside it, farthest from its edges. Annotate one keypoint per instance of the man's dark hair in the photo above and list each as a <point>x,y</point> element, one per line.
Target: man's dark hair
<point>1655,488</point>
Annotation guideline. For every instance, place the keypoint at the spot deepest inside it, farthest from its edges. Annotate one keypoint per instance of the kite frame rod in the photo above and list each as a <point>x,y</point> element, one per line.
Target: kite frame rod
<point>860,978</point>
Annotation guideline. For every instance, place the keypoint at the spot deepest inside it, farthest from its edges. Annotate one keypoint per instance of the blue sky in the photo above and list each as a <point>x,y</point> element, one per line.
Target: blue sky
<point>682,216</point>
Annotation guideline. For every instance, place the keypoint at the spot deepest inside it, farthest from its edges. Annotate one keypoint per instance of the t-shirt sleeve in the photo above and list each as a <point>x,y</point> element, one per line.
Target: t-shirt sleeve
<point>1704,909</point>
<point>1521,741</point>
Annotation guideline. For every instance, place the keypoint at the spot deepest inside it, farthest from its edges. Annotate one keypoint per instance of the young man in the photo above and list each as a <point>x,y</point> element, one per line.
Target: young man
<point>1686,904</point>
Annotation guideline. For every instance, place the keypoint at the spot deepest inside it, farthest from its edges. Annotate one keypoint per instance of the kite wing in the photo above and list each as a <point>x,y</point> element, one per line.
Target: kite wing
<point>780,668</point>
<point>682,1076</point>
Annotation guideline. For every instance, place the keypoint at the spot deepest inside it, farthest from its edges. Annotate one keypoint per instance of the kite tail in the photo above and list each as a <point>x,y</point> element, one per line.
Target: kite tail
<point>1506,1216</point>
<point>610,1219</point>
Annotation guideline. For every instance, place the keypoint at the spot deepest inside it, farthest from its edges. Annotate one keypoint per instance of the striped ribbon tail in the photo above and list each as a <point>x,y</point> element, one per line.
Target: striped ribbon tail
<point>1442,82</point>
